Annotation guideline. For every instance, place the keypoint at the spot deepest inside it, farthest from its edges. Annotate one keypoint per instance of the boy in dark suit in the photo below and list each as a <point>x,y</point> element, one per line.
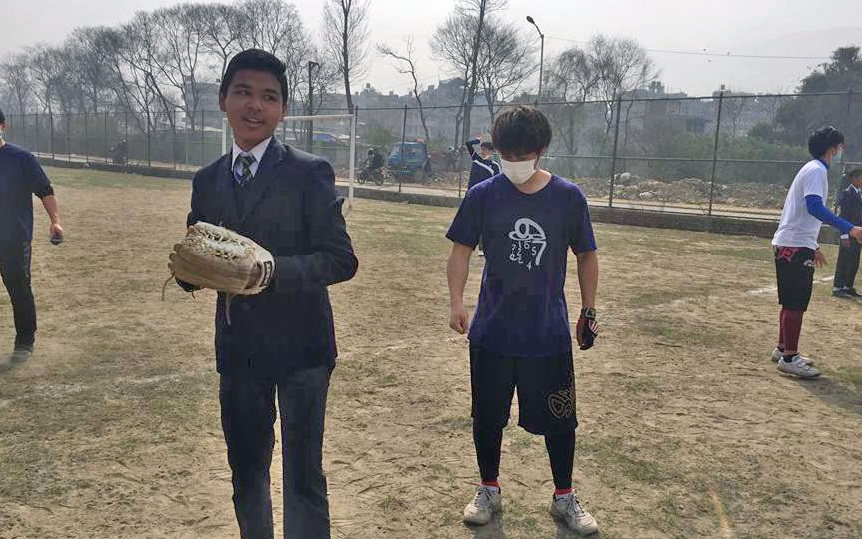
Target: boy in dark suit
<point>281,340</point>
<point>850,203</point>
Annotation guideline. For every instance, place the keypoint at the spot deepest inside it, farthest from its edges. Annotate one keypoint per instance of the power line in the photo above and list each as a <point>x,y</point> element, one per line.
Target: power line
<point>712,54</point>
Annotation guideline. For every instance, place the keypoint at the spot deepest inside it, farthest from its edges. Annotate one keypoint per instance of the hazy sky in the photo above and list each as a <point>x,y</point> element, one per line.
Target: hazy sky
<point>765,27</point>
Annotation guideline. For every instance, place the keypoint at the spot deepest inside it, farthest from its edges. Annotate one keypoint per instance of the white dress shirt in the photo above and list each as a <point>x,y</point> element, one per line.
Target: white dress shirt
<point>257,152</point>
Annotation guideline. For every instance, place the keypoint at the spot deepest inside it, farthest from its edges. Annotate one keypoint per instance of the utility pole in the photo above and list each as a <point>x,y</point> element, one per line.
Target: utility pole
<point>541,57</point>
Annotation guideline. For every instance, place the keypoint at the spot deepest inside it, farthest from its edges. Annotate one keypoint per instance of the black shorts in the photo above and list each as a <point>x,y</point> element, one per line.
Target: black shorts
<point>794,269</point>
<point>546,391</point>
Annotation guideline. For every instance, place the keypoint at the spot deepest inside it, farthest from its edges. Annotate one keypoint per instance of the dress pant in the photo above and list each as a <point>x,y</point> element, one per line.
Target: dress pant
<point>248,416</point>
<point>15,271</point>
<point>847,265</point>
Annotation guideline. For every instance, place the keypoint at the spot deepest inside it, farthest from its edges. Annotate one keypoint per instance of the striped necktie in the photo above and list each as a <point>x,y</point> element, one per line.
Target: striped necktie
<point>244,175</point>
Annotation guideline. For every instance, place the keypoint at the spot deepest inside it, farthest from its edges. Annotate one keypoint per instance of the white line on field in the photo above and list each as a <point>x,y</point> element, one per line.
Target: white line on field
<point>770,289</point>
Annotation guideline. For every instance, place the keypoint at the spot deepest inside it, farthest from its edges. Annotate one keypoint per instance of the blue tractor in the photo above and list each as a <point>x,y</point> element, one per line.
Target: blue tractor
<point>410,160</point>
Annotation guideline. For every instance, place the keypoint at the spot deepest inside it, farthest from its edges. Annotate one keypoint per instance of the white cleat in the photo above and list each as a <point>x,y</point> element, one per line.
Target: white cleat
<point>777,354</point>
<point>797,366</point>
<point>568,508</point>
<point>488,500</point>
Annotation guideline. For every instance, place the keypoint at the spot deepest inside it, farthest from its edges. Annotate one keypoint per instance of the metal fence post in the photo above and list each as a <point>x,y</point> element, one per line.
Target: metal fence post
<point>51,118</point>
<point>403,134</point>
<point>174,137</point>
<point>614,157</point>
<point>715,151</point>
<point>38,144</point>
<point>106,137</point>
<point>86,137</point>
<point>69,136</point>
<point>127,149</point>
<point>203,137</point>
<point>149,144</point>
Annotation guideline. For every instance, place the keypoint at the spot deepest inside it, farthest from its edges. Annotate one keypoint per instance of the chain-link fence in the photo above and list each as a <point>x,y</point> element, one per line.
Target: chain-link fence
<point>726,154</point>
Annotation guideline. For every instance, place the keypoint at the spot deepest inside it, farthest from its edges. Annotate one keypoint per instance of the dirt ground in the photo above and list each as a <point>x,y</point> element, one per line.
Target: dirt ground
<point>687,430</point>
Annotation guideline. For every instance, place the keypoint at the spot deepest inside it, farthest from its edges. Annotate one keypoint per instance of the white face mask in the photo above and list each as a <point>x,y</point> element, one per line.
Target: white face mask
<point>518,172</point>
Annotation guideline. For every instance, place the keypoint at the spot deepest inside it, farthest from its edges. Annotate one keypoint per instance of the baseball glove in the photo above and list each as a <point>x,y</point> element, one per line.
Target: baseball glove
<point>214,257</point>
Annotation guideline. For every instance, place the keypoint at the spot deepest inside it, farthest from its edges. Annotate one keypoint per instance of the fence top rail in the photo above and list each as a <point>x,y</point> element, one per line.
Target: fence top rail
<point>344,112</point>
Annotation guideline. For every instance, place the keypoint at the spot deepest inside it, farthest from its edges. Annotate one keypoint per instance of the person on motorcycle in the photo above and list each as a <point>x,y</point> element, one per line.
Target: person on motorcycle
<point>373,168</point>
<point>376,160</point>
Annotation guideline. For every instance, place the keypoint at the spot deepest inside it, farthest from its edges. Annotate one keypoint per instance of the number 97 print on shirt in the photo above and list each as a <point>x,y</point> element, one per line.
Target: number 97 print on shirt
<point>528,243</point>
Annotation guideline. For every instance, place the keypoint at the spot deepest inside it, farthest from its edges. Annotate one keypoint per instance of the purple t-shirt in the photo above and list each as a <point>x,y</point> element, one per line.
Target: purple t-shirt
<point>522,308</point>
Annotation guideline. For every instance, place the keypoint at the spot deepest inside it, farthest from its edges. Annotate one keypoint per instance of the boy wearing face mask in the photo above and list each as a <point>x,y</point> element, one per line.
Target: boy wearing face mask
<point>850,202</point>
<point>796,249</point>
<point>519,337</point>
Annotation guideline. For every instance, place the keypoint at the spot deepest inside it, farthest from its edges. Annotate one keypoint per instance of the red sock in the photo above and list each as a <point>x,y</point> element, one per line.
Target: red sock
<point>493,483</point>
<point>562,491</point>
<point>792,328</point>
<point>781,330</point>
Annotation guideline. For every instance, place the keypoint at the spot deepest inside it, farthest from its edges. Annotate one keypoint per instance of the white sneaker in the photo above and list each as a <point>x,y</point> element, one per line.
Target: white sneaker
<point>797,366</point>
<point>568,508</point>
<point>777,354</point>
<point>488,500</point>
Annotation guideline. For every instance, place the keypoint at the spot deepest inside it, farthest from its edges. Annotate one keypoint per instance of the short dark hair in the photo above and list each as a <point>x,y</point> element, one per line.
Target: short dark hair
<point>487,145</point>
<point>823,139</point>
<point>521,130</point>
<point>854,173</point>
<point>256,60</point>
<point>2,117</point>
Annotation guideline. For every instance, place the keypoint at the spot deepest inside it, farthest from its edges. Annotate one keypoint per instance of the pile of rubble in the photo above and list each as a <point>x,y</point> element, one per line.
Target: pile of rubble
<point>628,186</point>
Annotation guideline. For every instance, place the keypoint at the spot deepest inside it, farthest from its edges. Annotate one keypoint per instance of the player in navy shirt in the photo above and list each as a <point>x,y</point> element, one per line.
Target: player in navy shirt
<point>520,338</point>
<point>21,177</point>
<point>482,166</point>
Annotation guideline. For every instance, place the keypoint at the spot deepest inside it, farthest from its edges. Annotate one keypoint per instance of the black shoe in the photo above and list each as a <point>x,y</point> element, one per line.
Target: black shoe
<point>841,293</point>
<point>22,353</point>
<point>852,292</point>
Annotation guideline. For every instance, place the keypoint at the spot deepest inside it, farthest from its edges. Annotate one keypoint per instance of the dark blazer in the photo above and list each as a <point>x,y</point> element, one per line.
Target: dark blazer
<point>850,203</point>
<point>291,209</point>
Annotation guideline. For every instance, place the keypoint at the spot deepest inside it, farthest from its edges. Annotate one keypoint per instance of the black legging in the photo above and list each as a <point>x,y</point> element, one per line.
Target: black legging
<point>561,451</point>
<point>15,270</point>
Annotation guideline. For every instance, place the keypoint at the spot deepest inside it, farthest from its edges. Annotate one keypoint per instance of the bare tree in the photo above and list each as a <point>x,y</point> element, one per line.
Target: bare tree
<point>87,63</point>
<point>506,62</point>
<point>129,52</point>
<point>623,66</point>
<point>16,77</point>
<point>479,10</point>
<point>345,32</point>
<point>267,23</point>
<point>452,44</point>
<point>458,42</point>
<point>223,25</point>
<point>571,77</point>
<point>182,40</point>
<point>405,65</point>
<point>144,51</point>
<point>47,70</point>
